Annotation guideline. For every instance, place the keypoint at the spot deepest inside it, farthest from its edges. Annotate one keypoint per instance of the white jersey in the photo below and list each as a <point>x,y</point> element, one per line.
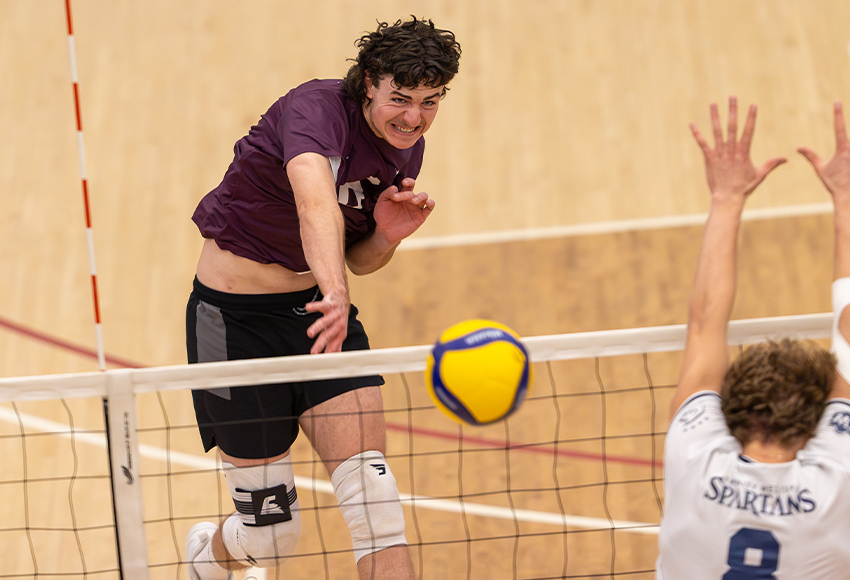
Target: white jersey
<point>728,517</point>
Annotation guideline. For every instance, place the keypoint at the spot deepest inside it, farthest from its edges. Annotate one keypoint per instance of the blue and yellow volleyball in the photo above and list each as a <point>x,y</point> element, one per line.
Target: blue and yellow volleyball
<point>478,372</point>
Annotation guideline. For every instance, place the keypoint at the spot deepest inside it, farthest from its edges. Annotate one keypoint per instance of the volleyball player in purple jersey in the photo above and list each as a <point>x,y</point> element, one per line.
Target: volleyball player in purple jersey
<point>757,457</point>
<point>324,182</point>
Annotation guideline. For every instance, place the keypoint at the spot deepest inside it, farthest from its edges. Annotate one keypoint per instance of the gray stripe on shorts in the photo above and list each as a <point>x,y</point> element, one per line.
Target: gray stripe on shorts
<point>211,336</point>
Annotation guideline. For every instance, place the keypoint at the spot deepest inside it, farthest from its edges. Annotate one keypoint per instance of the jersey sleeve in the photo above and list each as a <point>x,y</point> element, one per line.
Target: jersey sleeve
<point>312,122</point>
<point>832,437</point>
<point>697,425</point>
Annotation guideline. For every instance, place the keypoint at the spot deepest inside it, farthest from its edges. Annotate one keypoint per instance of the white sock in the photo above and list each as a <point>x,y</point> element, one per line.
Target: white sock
<point>206,566</point>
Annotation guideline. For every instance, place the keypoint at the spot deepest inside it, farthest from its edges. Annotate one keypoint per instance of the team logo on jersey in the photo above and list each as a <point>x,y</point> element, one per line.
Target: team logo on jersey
<point>691,416</point>
<point>840,421</point>
<point>759,499</point>
<point>352,194</point>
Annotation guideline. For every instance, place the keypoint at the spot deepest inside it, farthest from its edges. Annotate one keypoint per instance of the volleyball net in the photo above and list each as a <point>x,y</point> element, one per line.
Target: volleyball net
<point>570,486</point>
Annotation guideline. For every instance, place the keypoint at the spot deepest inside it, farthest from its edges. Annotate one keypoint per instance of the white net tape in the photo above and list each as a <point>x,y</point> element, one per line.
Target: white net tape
<point>395,360</point>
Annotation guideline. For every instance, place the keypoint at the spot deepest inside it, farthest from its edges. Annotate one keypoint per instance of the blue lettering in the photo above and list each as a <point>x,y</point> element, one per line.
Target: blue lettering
<point>793,505</point>
<point>747,497</point>
<point>714,491</point>
<point>777,503</point>
<point>726,494</point>
<point>809,504</point>
<point>749,502</point>
<point>482,335</point>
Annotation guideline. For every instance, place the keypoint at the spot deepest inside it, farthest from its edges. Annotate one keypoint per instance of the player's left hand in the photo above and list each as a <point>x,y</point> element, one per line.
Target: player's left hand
<point>835,172</point>
<point>400,212</point>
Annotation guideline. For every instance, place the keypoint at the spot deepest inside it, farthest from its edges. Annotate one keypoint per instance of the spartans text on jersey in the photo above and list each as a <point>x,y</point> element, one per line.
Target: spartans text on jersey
<point>760,500</point>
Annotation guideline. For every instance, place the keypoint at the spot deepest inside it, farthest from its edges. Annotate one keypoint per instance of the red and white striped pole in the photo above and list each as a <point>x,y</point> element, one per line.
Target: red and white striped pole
<point>119,406</point>
<point>101,357</point>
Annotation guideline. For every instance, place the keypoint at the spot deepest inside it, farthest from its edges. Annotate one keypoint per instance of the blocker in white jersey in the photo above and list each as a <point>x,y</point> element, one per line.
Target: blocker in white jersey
<point>757,456</point>
<point>727,516</point>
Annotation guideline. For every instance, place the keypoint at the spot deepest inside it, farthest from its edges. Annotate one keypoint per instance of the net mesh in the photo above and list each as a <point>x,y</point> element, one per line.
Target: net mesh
<point>570,486</point>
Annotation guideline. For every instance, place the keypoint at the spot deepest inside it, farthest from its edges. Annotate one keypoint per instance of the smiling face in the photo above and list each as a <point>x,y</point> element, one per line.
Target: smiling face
<point>400,115</point>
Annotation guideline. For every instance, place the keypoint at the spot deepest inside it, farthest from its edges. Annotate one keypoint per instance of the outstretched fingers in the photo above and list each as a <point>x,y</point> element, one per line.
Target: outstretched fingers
<point>730,141</point>
<point>834,172</point>
<point>716,126</point>
<point>841,142</point>
<point>811,157</point>
<point>703,144</point>
<point>768,166</point>
<point>732,122</point>
<point>749,129</point>
<point>729,168</point>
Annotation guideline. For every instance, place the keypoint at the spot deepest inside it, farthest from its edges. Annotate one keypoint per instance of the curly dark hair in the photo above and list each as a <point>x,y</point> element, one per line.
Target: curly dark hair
<point>776,391</point>
<point>413,53</point>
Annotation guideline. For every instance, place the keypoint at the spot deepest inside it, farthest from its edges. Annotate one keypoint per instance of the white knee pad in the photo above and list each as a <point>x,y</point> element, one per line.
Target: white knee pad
<point>368,499</point>
<point>267,522</point>
<point>840,347</point>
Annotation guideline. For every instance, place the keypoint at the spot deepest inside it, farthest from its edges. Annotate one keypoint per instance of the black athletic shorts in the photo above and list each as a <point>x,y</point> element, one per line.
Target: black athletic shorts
<point>256,422</point>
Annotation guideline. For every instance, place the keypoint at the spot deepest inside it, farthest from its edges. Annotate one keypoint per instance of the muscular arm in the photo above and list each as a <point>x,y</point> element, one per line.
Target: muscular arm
<point>706,355</point>
<point>835,175</point>
<point>731,178</point>
<point>323,238</point>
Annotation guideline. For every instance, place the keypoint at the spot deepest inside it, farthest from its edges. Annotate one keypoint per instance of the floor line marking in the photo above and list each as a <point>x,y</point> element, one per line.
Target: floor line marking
<point>322,486</point>
<point>608,227</point>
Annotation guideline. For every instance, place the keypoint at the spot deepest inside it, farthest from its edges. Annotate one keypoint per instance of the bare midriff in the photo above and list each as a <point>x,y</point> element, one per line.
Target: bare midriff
<point>226,272</point>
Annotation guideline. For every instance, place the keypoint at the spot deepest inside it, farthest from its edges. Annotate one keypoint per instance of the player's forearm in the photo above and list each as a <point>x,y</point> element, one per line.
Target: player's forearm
<point>370,254</point>
<point>842,234</point>
<point>321,222</point>
<point>713,292</point>
<point>322,234</point>
<point>706,357</point>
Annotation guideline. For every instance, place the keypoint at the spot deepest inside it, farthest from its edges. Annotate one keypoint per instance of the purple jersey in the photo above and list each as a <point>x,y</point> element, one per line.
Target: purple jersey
<point>252,211</point>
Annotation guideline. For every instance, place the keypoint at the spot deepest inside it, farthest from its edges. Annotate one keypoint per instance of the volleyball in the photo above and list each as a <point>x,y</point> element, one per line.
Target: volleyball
<point>478,372</point>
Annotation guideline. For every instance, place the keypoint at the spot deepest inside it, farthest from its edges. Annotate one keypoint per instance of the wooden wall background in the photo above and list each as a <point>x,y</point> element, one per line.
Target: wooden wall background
<point>566,179</point>
<point>565,113</point>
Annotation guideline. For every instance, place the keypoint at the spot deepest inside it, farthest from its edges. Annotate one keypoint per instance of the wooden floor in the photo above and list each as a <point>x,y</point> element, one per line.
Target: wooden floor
<point>565,177</point>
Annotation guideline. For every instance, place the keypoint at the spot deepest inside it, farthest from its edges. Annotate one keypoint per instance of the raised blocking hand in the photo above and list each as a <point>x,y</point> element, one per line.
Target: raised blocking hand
<point>728,166</point>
